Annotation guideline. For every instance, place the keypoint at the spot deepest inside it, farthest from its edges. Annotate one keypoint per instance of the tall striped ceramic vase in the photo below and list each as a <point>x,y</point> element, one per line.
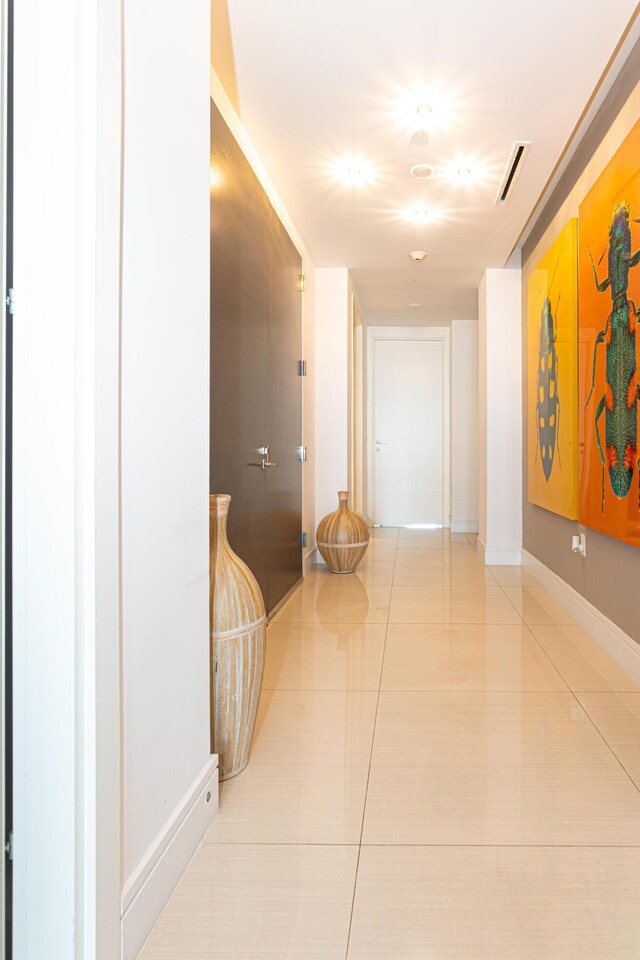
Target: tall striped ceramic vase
<point>342,537</point>
<point>237,624</point>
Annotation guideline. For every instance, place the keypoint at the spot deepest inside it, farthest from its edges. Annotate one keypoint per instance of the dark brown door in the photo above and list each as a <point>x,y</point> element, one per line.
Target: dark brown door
<point>256,395</point>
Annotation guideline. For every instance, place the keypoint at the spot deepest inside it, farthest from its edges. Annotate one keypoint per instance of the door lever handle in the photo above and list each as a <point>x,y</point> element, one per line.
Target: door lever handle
<point>266,461</point>
<point>382,441</point>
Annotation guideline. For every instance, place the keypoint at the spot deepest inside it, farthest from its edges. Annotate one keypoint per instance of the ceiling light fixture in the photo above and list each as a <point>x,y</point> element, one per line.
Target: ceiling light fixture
<point>415,304</point>
<point>423,118</point>
<point>421,171</point>
<point>417,255</point>
<point>420,214</point>
<point>354,170</point>
<point>424,112</point>
<point>463,173</point>
<point>420,139</point>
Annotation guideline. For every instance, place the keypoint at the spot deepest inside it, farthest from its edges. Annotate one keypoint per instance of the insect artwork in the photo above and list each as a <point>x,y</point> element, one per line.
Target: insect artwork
<point>552,375</point>
<point>548,401</point>
<point>619,402</point>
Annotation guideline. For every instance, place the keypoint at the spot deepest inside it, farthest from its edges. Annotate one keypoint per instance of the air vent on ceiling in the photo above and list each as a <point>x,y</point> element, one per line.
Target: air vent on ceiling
<point>517,157</point>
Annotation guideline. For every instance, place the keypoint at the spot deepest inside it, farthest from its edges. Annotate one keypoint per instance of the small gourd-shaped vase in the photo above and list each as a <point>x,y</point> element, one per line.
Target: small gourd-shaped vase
<point>237,625</point>
<point>342,537</point>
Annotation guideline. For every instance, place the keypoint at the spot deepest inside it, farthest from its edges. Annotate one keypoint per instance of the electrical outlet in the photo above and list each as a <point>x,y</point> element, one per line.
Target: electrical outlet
<point>579,544</point>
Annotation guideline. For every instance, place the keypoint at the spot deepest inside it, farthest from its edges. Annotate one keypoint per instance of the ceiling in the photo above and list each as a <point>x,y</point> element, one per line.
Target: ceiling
<point>318,83</point>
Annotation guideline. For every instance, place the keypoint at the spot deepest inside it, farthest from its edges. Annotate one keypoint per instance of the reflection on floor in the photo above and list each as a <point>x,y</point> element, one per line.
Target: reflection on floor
<point>445,766</point>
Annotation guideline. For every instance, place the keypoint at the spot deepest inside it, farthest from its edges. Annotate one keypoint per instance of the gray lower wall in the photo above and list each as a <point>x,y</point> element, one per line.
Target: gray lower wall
<point>609,577</point>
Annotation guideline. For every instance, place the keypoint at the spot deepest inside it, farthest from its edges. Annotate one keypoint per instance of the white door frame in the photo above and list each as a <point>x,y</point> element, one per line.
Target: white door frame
<point>4,119</point>
<point>66,466</point>
<point>443,336</point>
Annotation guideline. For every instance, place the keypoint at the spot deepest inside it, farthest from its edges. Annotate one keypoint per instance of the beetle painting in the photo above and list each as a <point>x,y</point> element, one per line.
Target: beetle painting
<point>552,348</point>
<point>609,260</point>
<point>548,401</point>
<point>619,402</point>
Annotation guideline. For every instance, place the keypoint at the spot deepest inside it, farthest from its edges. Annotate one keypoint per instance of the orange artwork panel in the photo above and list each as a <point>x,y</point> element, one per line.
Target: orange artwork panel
<point>609,290</point>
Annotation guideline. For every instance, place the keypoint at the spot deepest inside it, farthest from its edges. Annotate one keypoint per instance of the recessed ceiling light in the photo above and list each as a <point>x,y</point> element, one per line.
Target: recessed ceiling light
<point>464,173</point>
<point>417,255</point>
<point>354,170</point>
<point>421,171</point>
<point>420,214</point>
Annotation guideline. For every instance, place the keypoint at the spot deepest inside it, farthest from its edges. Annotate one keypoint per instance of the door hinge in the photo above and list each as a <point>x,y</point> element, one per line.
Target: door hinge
<point>302,454</point>
<point>8,847</point>
<point>302,282</point>
<point>303,539</point>
<point>10,299</point>
<point>302,368</point>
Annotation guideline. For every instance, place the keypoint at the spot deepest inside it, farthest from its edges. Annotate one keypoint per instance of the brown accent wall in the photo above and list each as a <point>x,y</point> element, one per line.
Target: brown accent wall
<point>256,390</point>
<point>609,576</point>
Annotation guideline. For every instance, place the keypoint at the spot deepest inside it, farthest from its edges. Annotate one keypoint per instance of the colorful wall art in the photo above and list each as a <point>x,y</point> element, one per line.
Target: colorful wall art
<point>552,382</point>
<point>609,289</point>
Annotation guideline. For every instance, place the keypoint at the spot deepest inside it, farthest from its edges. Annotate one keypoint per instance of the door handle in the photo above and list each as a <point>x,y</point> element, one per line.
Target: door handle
<point>265,453</point>
<point>382,441</point>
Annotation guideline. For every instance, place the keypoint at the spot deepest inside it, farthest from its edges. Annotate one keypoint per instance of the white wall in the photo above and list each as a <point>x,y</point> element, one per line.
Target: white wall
<point>333,332</point>
<point>500,404</point>
<point>165,431</point>
<point>464,426</point>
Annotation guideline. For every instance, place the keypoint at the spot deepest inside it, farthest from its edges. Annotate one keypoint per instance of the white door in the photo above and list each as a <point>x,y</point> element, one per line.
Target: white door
<point>408,432</point>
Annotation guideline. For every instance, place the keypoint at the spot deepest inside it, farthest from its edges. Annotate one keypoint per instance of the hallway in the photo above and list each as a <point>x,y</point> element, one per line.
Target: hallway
<point>445,766</point>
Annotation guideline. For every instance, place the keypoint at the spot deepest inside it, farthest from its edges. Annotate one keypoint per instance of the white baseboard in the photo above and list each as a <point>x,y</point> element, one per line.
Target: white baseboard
<point>618,644</point>
<point>150,888</point>
<point>464,526</point>
<point>310,558</point>
<point>499,556</point>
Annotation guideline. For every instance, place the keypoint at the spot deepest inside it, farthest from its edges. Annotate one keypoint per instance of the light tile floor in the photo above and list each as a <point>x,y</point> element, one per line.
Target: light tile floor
<point>445,767</point>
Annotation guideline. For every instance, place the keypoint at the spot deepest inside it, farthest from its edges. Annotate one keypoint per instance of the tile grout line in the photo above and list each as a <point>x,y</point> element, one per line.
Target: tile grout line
<point>569,688</point>
<point>489,846</point>
<point>582,707</point>
<point>366,792</point>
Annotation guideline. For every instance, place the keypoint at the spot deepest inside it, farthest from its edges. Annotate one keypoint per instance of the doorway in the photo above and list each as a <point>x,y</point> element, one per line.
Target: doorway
<point>408,426</point>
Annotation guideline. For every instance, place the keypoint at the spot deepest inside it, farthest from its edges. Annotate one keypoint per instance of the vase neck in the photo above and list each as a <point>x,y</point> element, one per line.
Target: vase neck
<point>343,499</point>
<point>218,512</point>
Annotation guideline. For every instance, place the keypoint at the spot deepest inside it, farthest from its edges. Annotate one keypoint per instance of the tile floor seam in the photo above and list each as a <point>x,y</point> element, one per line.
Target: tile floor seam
<point>513,846</point>
<point>502,587</point>
<point>554,665</point>
<point>364,805</point>
<point>604,739</point>
<point>584,709</point>
<point>509,846</point>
